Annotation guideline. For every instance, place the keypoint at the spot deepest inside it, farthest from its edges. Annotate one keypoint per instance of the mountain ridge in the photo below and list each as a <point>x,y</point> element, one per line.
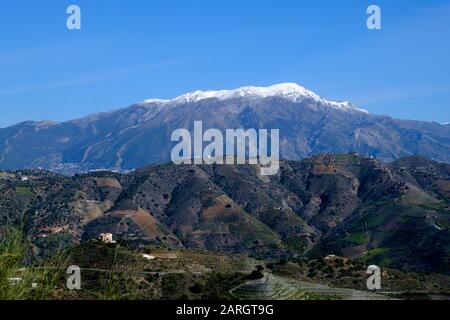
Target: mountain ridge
<point>394,214</point>
<point>135,136</point>
<point>289,91</point>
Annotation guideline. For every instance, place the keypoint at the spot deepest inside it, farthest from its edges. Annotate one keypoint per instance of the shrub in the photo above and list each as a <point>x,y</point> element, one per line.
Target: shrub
<point>17,275</point>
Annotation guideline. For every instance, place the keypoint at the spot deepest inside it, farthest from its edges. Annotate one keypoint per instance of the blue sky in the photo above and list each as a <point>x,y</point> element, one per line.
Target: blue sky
<point>132,50</point>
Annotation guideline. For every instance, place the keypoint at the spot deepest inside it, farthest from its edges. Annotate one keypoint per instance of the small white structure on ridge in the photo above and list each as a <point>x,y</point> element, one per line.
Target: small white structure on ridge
<point>106,238</point>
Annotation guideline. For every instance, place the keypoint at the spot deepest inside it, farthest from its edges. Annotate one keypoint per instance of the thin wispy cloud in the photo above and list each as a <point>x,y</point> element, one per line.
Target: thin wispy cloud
<point>104,76</point>
<point>436,10</point>
<point>5,56</point>
<point>399,93</point>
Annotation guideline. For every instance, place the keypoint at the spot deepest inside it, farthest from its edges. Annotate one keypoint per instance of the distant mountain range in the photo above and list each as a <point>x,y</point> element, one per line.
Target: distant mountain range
<point>140,134</point>
<point>394,215</point>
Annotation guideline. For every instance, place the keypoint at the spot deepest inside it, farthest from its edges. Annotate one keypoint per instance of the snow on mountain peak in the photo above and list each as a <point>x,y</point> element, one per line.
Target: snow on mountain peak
<point>289,91</point>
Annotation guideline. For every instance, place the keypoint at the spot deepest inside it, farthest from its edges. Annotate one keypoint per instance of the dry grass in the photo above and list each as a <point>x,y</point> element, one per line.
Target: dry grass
<point>21,280</point>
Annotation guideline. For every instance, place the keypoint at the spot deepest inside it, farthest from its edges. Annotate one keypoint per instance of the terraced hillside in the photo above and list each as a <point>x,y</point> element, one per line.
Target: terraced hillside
<point>395,215</point>
<point>278,288</point>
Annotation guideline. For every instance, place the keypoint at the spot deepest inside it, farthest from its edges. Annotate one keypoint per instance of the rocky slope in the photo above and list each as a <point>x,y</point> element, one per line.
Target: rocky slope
<point>393,214</point>
<point>136,136</point>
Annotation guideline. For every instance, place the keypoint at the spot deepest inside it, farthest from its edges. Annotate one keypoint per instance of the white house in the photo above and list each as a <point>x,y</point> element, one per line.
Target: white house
<point>106,238</point>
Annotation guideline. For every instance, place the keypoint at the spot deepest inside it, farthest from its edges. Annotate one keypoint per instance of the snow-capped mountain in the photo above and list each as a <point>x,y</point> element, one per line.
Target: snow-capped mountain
<point>140,134</point>
<point>289,91</point>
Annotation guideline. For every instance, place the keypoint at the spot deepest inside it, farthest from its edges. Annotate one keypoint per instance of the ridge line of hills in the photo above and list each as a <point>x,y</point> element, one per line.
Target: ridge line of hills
<point>133,137</point>
<point>395,214</point>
